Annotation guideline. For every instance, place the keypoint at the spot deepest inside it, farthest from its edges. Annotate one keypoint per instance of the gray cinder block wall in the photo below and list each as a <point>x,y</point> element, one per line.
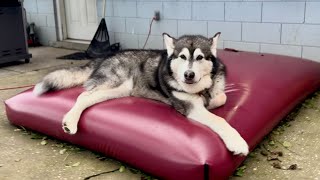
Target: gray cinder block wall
<point>288,27</point>
<point>41,12</point>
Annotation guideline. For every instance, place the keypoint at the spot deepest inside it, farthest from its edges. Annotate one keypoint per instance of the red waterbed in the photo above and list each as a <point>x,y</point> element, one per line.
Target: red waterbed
<point>152,136</point>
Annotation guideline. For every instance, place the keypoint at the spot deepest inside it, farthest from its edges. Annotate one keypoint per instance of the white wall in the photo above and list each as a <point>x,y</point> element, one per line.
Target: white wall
<point>41,12</point>
<point>268,26</point>
<point>288,27</point>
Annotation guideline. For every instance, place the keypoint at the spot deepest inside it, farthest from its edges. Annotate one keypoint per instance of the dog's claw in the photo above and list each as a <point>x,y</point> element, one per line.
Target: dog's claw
<point>65,128</point>
<point>68,127</point>
<point>238,147</point>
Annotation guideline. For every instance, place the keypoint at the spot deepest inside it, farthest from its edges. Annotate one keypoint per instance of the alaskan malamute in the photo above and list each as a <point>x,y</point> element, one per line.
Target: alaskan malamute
<point>187,75</point>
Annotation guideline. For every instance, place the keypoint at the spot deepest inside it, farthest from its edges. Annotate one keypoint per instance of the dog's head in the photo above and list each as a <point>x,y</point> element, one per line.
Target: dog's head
<point>192,60</point>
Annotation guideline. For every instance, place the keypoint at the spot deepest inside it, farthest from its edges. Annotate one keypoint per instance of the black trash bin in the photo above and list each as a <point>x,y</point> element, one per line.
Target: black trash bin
<point>13,37</point>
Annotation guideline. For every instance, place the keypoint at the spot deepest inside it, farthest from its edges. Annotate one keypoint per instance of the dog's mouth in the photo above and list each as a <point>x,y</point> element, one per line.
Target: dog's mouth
<point>190,81</point>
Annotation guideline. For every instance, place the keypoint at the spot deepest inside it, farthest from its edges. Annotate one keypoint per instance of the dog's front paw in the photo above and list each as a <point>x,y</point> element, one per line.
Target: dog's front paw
<point>69,125</point>
<point>237,145</point>
<point>217,101</point>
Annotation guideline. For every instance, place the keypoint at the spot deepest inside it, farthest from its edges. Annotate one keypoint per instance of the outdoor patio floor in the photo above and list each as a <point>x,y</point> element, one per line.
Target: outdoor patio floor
<point>25,155</point>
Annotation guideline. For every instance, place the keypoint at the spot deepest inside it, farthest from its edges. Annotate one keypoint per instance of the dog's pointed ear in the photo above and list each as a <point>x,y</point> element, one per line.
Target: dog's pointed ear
<point>169,42</point>
<point>214,44</point>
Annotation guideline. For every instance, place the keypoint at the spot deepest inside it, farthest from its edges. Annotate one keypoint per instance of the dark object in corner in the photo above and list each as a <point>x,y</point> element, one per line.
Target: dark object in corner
<point>99,47</point>
<point>33,40</point>
<point>13,37</point>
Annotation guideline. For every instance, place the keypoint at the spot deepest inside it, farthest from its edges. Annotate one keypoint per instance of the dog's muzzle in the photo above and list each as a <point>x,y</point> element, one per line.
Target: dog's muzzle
<point>189,77</point>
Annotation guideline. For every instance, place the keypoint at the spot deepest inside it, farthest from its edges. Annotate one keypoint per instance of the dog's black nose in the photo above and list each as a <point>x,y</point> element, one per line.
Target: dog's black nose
<point>189,75</point>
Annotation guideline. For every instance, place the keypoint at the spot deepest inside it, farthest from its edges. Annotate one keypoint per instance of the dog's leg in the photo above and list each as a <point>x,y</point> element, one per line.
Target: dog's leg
<point>218,100</point>
<point>89,98</point>
<point>232,139</point>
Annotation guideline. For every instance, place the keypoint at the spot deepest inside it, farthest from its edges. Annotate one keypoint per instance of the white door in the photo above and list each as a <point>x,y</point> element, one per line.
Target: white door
<point>81,19</point>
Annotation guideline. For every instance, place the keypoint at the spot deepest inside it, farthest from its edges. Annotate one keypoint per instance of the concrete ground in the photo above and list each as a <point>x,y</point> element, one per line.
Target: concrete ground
<point>291,151</point>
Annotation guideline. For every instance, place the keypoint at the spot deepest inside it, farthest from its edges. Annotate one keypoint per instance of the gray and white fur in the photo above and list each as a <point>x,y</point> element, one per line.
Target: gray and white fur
<point>187,75</point>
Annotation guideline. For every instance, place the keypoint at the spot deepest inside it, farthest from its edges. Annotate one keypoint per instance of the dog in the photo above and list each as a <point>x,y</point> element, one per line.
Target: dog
<point>187,75</point>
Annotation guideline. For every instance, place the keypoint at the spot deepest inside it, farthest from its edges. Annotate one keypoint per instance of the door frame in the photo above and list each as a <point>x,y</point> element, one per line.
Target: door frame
<point>61,23</point>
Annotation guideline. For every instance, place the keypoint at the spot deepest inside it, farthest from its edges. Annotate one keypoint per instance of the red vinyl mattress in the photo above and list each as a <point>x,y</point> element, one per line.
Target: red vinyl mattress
<point>152,136</point>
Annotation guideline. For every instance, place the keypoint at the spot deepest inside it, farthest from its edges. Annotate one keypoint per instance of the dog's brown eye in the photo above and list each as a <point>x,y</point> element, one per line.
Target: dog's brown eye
<point>199,57</point>
<point>183,57</point>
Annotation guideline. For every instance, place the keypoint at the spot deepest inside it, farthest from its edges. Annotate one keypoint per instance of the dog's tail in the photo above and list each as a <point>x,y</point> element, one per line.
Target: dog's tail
<point>63,78</point>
